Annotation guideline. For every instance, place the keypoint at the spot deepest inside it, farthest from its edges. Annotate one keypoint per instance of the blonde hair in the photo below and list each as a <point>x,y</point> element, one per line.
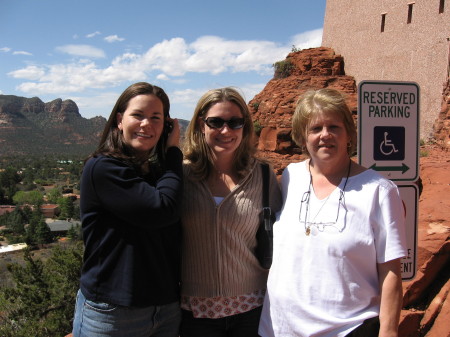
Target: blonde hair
<point>314,102</point>
<point>197,152</point>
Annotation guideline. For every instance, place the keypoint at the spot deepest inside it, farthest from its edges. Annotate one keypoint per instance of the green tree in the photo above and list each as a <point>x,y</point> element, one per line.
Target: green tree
<point>16,221</point>
<point>2,196</point>
<point>42,299</point>
<point>76,211</point>
<point>28,176</point>
<point>27,212</point>
<point>34,198</point>
<point>38,232</point>
<point>28,299</point>
<point>20,198</point>
<point>53,195</point>
<point>43,233</point>
<point>66,207</point>
<point>74,233</point>
<point>8,181</point>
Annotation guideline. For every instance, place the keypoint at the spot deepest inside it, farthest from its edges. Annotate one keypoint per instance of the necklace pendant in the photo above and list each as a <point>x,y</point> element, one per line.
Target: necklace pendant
<point>308,230</point>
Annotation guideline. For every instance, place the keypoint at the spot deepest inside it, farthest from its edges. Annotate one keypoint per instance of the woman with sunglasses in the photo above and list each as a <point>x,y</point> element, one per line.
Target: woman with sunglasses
<point>131,192</point>
<point>223,285</point>
<point>339,237</point>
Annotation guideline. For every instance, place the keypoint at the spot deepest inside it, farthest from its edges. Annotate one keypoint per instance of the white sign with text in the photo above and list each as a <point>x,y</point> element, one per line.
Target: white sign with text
<point>388,128</point>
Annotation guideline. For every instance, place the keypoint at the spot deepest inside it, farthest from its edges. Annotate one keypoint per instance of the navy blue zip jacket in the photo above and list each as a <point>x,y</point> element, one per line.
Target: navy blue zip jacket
<point>131,232</point>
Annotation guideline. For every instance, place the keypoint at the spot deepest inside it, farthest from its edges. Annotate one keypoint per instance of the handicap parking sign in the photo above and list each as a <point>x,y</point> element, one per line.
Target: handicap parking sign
<point>388,128</point>
<point>389,143</point>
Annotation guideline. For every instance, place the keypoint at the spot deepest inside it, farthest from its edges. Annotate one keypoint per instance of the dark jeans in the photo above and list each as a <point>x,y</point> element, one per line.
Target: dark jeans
<point>97,319</point>
<point>240,325</point>
<point>369,328</point>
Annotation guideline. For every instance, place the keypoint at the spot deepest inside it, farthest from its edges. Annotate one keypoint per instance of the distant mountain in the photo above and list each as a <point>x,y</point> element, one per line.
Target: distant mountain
<point>29,126</point>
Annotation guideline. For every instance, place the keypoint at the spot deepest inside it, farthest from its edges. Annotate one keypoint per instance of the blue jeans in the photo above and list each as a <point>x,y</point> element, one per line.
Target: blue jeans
<point>93,319</point>
<point>240,325</point>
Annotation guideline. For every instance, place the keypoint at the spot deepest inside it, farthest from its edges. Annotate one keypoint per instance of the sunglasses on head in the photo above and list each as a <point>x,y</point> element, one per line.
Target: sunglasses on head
<point>217,122</point>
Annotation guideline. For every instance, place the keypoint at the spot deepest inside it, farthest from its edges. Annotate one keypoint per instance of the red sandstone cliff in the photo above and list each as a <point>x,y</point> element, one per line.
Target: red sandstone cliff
<point>441,127</point>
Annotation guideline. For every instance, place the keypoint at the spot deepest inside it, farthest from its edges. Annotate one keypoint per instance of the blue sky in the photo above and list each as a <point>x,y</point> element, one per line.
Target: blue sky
<point>91,50</point>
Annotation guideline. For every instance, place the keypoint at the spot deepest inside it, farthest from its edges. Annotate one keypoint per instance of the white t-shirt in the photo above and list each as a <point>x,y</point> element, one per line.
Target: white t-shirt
<point>326,283</point>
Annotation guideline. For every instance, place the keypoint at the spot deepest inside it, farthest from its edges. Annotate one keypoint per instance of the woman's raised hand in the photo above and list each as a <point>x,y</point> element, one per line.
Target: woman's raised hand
<point>174,136</point>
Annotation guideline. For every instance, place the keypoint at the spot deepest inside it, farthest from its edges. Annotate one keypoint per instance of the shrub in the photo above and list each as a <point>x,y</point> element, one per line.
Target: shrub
<point>423,153</point>
<point>283,68</point>
<point>257,127</point>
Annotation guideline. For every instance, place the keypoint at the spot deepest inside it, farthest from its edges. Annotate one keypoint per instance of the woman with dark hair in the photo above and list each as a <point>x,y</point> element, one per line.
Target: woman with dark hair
<point>131,192</point>
<point>339,237</point>
<point>223,285</point>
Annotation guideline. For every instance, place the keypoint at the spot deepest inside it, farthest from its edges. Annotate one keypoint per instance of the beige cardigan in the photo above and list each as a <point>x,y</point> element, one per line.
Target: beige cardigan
<point>219,240</point>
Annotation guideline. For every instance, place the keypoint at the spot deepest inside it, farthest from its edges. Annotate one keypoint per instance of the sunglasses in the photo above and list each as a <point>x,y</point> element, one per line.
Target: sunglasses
<point>217,122</point>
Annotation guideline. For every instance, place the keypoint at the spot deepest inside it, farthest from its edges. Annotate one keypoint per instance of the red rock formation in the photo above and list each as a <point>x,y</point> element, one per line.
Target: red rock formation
<point>273,108</point>
<point>441,127</point>
<point>312,69</point>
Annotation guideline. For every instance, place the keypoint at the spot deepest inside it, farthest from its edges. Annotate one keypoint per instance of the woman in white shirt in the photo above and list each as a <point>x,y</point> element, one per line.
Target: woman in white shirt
<point>339,237</point>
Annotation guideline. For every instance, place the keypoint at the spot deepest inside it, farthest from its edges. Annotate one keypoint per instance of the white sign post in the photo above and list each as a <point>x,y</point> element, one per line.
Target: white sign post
<point>409,195</point>
<point>388,142</point>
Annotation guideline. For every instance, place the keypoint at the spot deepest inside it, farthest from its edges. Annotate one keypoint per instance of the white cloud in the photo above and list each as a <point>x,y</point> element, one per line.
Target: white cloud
<point>251,90</point>
<point>162,77</point>
<point>168,56</point>
<point>237,56</point>
<point>101,104</point>
<point>187,96</point>
<point>29,73</point>
<point>212,54</point>
<point>183,102</point>
<point>22,53</point>
<point>5,49</point>
<point>91,35</point>
<point>309,39</point>
<point>179,80</point>
<point>81,50</point>
<point>76,77</point>
<point>170,59</point>
<point>113,38</point>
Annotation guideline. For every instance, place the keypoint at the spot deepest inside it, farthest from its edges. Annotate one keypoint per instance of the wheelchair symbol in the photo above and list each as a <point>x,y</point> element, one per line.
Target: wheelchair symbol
<point>386,146</point>
<point>389,143</point>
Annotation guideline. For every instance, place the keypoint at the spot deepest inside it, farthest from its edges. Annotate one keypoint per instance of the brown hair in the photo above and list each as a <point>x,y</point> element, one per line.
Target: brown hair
<point>111,142</point>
